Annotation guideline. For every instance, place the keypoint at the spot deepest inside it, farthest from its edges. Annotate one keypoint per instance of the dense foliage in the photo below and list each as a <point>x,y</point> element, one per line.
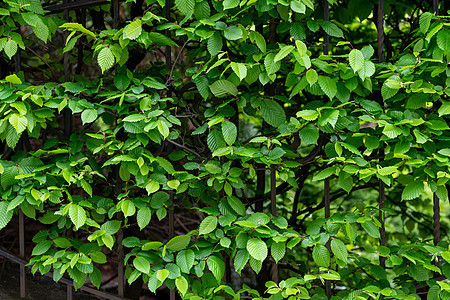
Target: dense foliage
<point>211,111</point>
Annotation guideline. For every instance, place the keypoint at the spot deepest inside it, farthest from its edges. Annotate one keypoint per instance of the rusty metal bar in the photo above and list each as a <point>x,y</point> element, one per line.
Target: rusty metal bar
<point>63,280</point>
<point>23,292</point>
<point>273,210</point>
<point>436,220</point>
<point>436,7</point>
<point>326,200</point>
<point>326,17</point>
<point>69,292</point>
<point>380,29</point>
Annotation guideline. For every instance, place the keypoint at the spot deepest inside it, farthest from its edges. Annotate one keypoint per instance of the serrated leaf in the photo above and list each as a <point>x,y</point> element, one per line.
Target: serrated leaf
<point>236,205</point>
<point>89,116</point>
<point>309,135</point>
<point>356,60</point>
<point>185,260</point>
<point>371,229</point>
<point>207,225</point>
<point>214,44</point>
<point>259,40</point>
<point>413,190</point>
<point>216,266</point>
<point>202,86</point>
<point>332,29</point>
<point>215,140</point>
<point>328,86</point>
<point>272,112</point>
<point>229,132</point>
<point>284,51</point>
<point>270,64</point>
<point>133,30</point>
<point>186,7</point>
<point>311,76</point>
<point>339,250</point>
<point>221,88</point>
<point>324,173</point>
<point>141,264</point>
<point>257,249</point>
<point>233,33</point>
<point>18,122</point>
<point>321,256</point>
<point>424,21</point>
<point>240,260</point>
<point>143,217</point>
<point>240,70</point>
<point>77,215</point>
<point>277,251</point>
<point>182,285</point>
<point>105,59</point>
<point>41,247</point>
<point>179,242</point>
<point>10,48</point>
<point>5,215</point>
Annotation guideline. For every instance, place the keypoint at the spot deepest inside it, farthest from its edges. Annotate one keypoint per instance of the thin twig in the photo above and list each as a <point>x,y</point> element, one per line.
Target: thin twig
<point>43,60</point>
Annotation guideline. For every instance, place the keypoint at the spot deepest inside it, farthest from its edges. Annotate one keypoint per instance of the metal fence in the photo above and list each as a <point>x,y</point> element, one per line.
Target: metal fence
<point>67,6</point>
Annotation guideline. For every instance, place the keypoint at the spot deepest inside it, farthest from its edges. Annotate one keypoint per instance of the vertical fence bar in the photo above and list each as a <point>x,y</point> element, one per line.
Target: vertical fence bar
<point>67,114</point>
<point>381,184</point>
<point>273,210</point>
<point>69,294</point>
<point>436,209</point>
<point>23,292</point>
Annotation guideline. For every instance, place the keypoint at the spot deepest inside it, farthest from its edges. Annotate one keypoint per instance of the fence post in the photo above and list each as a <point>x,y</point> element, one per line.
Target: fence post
<point>273,210</point>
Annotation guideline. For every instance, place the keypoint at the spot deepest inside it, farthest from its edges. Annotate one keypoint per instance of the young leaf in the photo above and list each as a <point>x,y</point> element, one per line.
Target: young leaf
<point>229,132</point>
<point>207,225</point>
<point>321,256</point>
<point>77,215</point>
<point>217,266</point>
<point>356,60</point>
<point>339,249</point>
<point>105,59</point>
<point>257,249</point>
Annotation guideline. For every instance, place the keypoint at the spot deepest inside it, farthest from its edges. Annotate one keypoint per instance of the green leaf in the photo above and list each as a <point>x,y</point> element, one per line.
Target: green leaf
<point>311,76</point>
<point>208,225</point>
<point>284,51</point>
<point>424,21</point>
<point>321,256</point>
<point>185,260</point>
<point>186,7</point>
<point>328,86</point>
<point>332,29</point>
<point>339,250</point>
<point>240,260</point>
<point>77,215</point>
<point>444,109</point>
<point>5,215</point>
<point>233,33</point>
<point>178,243</point>
<point>356,60</point>
<point>413,190</point>
<point>217,266</point>
<point>272,112</point>
<point>257,38</point>
<point>143,217</point>
<point>278,250</point>
<point>105,59</point>
<point>309,135</point>
<point>371,229</point>
<point>202,86</point>
<point>182,285</point>
<point>257,249</point>
<point>214,44</point>
<point>163,128</point>
<point>133,30</point>
<point>271,65</point>
<point>229,132</point>
<point>89,116</point>
<point>18,122</point>
<point>141,264</point>
<point>10,48</point>
<point>221,88</point>
<point>240,70</point>
<point>229,4</point>
<point>236,205</point>
<point>14,79</point>
<point>443,40</point>
<point>325,173</point>
<point>41,247</point>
